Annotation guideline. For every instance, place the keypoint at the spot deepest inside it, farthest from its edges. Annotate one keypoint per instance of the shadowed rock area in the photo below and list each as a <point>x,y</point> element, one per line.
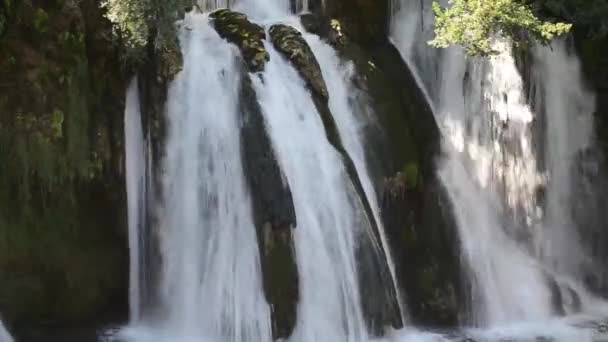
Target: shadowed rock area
<point>273,211</point>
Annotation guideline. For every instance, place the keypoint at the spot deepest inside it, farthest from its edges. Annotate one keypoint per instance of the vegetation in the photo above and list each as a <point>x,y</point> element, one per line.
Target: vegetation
<point>137,22</point>
<point>473,24</point>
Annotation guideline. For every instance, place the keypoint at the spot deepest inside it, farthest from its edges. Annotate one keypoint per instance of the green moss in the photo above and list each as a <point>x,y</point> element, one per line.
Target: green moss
<point>57,118</point>
<point>412,175</point>
<point>41,20</point>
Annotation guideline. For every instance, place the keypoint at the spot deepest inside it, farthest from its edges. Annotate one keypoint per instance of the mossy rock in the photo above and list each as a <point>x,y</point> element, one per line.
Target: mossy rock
<point>289,42</point>
<point>248,36</point>
<point>363,21</point>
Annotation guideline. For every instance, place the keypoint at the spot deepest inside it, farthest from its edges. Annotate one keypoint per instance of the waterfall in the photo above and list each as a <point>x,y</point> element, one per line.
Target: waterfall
<point>211,283</point>
<point>567,108</point>
<point>135,179</point>
<point>4,335</point>
<point>351,124</point>
<point>329,219</point>
<point>511,190</point>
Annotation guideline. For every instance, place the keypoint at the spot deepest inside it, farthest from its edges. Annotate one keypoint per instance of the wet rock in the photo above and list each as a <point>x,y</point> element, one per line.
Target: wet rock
<point>363,21</point>
<point>330,29</point>
<point>248,36</point>
<point>274,213</point>
<point>427,264</point>
<point>292,45</point>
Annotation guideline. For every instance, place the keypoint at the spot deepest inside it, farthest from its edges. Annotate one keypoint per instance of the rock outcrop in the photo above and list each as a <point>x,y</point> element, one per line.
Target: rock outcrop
<point>248,36</point>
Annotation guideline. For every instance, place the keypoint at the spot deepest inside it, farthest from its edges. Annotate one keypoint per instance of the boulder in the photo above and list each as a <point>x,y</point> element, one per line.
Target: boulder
<point>289,42</point>
<point>248,36</point>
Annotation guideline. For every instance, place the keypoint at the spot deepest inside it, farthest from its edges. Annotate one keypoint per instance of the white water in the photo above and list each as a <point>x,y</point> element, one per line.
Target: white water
<point>491,167</point>
<point>4,335</point>
<point>135,179</point>
<point>329,218</point>
<point>562,96</point>
<point>351,125</point>
<point>211,286</point>
<point>210,283</point>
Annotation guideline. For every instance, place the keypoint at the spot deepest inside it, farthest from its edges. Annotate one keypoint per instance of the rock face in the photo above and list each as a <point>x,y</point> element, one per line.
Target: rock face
<point>63,256</point>
<point>274,213</point>
<point>428,264</point>
<point>292,45</point>
<point>378,298</point>
<point>248,36</point>
<point>364,21</point>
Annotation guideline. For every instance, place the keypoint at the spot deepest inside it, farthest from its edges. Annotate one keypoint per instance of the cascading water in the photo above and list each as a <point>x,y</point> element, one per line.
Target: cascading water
<point>211,284</point>
<point>135,179</point>
<point>325,206</point>
<point>351,127</point>
<point>568,113</point>
<point>515,242</point>
<point>210,281</point>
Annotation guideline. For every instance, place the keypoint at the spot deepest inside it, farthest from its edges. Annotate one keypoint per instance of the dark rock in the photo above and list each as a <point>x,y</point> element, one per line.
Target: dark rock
<point>323,26</point>
<point>428,264</point>
<point>248,36</point>
<point>274,213</point>
<point>63,255</point>
<point>363,21</point>
<point>592,212</point>
<point>289,42</point>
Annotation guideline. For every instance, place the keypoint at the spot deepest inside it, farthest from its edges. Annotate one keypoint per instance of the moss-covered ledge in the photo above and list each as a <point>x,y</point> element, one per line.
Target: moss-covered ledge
<point>248,36</point>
